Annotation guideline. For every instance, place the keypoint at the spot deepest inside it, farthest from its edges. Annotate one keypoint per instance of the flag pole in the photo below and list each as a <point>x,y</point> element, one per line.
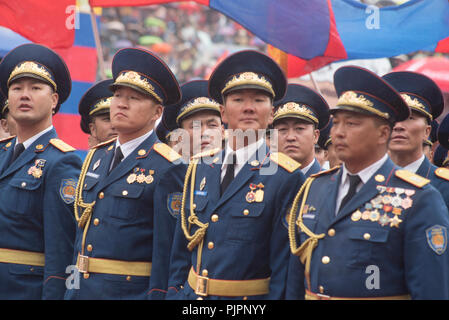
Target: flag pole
<point>100,56</point>
<point>315,85</point>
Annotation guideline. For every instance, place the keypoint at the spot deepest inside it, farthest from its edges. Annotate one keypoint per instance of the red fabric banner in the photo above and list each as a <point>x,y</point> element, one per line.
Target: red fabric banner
<point>48,22</point>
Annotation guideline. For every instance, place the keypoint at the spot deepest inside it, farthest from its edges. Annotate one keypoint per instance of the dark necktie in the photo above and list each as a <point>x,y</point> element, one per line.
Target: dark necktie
<point>118,156</point>
<point>354,181</point>
<point>229,175</point>
<point>18,149</point>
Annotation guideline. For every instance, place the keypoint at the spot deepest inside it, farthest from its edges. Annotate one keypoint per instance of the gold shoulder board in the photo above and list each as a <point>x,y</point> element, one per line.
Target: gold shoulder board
<point>208,153</point>
<point>101,144</point>
<point>7,139</point>
<point>167,152</point>
<point>284,161</point>
<point>442,173</point>
<point>412,178</point>
<point>321,173</point>
<point>61,145</point>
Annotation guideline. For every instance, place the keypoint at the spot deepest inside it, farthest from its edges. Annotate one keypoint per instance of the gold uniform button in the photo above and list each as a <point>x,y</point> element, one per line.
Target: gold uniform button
<point>204,273</point>
<point>246,212</point>
<point>199,298</point>
<point>210,245</point>
<point>89,247</point>
<point>325,260</point>
<point>96,221</point>
<point>86,276</point>
<point>331,232</point>
<point>194,206</point>
<point>214,218</point>
<point>321,288</point>
<point>101,195</point>
<point>128,278</point>
<point>245,298</point>
<point>24,184</point>
<point>125,192</point>
<point>366,236</point>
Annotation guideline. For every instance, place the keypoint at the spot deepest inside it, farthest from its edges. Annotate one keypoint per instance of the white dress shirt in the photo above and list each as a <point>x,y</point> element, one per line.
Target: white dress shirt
<point>364,175</point>
<point>305,169</point>
<point>128,147</point>
<point>414,166</point>
<point>30,141</point>
<point>242,156</point>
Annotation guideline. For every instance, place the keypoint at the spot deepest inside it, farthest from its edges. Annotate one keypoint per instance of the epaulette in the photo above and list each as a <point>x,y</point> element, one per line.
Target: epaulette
<point>207,153</point>
<point>7,139</point>
<point>324,172</point>
<point>101,144</point>
<point>167,152</point>
<point>442,173</point>
<point>284,161</point>
<point>412,178</point>
<point>61,145</point>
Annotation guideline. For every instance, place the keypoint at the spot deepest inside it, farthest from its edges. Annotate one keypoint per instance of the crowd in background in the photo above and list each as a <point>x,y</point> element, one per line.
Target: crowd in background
<point>189,37</point>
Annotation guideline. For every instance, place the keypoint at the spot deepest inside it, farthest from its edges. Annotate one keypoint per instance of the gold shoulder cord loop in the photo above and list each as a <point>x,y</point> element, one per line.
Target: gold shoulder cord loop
<point>199,234</point>
<point>306,249</point>
<point>84,220</point>
<point>78,193</point>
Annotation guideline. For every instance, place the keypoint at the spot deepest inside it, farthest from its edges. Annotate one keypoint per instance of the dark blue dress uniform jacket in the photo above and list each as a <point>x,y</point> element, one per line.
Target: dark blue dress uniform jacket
<point>167,199</point>
<point>121,226</point>
<point>427,170</point>
<point>410,259</point>
<point>237,246</point>
<point>36,214</point>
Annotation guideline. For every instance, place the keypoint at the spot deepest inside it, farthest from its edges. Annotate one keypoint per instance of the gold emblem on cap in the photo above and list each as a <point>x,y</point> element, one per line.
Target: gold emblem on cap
<point>293,108</point>
<point>141,152</point>
<point>33,68</point>
<point>351,98</point>
<point>102,104</point>
<point>248,78</point>
<point>200,102</point>
<point>134,78</point>
<point>379,178</point>
<point>415,104</point>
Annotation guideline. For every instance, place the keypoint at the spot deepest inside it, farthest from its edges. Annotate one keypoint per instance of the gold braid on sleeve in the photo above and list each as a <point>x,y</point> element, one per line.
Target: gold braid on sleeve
<point>199,234</point>
<point>306,249</point>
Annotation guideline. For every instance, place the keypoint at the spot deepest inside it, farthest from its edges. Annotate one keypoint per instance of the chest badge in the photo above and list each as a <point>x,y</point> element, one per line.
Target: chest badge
<point>36,170</point>
<point>149,178</point>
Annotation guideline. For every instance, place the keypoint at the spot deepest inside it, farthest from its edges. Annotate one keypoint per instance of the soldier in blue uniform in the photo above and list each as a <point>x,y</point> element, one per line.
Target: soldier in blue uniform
<point>94,109</point>
<point>428,144</point>
<point>367,229</point>
<point>38,175</point>
<point>195,105</point>
<point>230,240</point>
<point>426,103</point>
<point>115,202</point>
<point>298,119</point>
<point>441,158</point>
<point>7,122</point>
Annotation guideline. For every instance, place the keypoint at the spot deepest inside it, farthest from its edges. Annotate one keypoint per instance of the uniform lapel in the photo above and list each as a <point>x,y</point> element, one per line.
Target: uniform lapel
<point>29,153</point>
<point>6,156</point>
<point>367,192</point>
<point>127,164</point>
<point>328,206</point>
